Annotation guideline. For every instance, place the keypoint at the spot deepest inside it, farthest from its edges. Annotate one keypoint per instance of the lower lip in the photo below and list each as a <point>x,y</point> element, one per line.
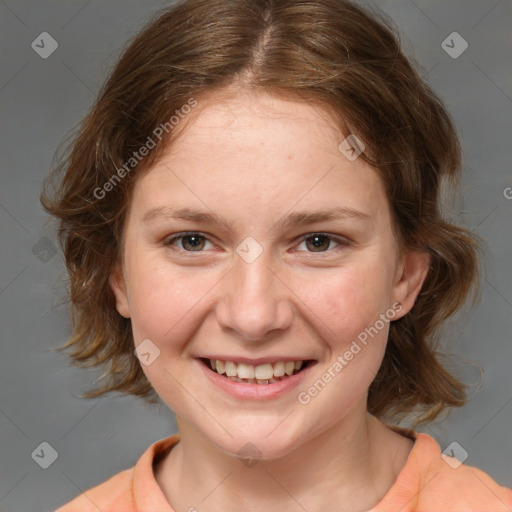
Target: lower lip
<point>255,391</point>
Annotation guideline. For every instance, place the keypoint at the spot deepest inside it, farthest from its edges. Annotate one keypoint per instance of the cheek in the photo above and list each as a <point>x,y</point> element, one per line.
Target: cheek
<point>351,303</point>
<point>164,299</point>
<point>347,300</point>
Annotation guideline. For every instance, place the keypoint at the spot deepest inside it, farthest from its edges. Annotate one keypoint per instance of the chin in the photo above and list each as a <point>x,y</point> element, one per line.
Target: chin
<point>253,440</point>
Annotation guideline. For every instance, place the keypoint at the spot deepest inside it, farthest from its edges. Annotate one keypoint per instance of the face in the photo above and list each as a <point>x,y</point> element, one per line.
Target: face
<point>257,247</point>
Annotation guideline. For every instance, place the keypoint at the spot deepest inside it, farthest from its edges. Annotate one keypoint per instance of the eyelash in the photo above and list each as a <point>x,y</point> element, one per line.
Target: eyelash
<point>341,241</point>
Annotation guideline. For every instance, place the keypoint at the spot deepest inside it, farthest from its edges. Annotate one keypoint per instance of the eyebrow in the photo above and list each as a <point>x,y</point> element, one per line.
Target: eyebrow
<point>293,219</point>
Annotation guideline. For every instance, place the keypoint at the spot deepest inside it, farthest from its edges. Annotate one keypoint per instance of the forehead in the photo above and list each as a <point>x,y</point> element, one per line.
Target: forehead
<point>239,119</point>
<point>262,153</point>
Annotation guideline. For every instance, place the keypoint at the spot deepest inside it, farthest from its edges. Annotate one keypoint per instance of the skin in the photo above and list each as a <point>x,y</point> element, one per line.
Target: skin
<point>254,158</point>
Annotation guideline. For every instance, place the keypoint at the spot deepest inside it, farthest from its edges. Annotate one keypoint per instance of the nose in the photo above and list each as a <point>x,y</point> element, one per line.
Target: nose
<point>255,303</point>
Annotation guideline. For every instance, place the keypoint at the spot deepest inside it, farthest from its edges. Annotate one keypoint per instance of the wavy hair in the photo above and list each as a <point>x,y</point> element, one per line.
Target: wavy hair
<point>334,53</point>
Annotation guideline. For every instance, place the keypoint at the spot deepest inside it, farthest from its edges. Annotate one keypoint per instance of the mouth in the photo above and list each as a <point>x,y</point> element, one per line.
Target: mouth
<point>246,373</point>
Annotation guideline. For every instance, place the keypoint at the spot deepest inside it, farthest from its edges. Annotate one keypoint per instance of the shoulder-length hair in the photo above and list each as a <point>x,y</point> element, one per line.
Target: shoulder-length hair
<point>332,53</point>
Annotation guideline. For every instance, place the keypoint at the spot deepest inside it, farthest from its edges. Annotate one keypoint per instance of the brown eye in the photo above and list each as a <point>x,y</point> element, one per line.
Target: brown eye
<point>320,242</point>
<point>190,242</point>
<point>195,242</point>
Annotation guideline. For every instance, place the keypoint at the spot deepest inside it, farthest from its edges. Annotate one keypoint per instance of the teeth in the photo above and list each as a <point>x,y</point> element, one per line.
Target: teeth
<point>278,369</point>
<point>245,371</point>
<point>220,367</point>
<point>264,371</point>
<point>230,369</point>
<point>261,374</point>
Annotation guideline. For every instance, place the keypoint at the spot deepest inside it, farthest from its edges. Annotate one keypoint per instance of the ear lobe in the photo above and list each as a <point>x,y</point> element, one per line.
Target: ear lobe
<point>414,270</point>
<point>118,286</point>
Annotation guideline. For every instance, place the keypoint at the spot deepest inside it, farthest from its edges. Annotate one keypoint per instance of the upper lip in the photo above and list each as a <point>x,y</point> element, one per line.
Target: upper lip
<point>254,361</point>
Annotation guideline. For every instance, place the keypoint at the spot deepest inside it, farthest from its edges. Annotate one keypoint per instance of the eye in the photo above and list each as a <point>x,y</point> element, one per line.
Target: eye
<point>321,242</point>
<point>190,242</point>
<point>315,242</point>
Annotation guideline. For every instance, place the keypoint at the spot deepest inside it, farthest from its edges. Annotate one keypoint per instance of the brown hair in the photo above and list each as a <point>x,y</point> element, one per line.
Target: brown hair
<point>332,53</point>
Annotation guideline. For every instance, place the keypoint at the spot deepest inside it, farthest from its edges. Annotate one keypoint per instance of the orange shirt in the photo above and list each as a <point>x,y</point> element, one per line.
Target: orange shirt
<point>427,483</point>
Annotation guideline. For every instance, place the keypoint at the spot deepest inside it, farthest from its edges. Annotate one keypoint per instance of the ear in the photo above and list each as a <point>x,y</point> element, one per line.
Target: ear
<point>118,286</point>
<point>411,274</point>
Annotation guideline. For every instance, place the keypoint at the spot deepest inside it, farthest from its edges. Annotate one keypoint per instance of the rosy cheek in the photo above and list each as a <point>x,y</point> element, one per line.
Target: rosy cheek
<point>166,305</point>
<point>351,297</point>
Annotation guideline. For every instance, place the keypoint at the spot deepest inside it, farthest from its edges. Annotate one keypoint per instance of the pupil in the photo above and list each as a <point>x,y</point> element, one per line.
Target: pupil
<point>196,240</point>
<point>317,241</point>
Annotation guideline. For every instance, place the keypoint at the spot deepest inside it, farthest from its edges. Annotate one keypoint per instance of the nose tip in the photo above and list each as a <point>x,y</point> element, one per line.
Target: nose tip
<point>256,323</point>
<point>254,303</point>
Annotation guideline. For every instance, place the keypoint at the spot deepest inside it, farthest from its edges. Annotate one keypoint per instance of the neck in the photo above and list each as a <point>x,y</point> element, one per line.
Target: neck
<point>348,467</point>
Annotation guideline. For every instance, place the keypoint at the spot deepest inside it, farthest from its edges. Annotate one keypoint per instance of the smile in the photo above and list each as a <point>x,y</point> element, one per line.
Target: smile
<point>265,380</point>
<point>268,373</point>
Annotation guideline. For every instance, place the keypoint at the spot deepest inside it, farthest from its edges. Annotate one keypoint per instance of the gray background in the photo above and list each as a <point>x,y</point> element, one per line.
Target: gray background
<point>43,99</point>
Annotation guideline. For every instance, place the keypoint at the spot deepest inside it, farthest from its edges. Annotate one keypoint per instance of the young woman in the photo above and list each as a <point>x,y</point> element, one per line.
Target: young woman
<point>250,219</point>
